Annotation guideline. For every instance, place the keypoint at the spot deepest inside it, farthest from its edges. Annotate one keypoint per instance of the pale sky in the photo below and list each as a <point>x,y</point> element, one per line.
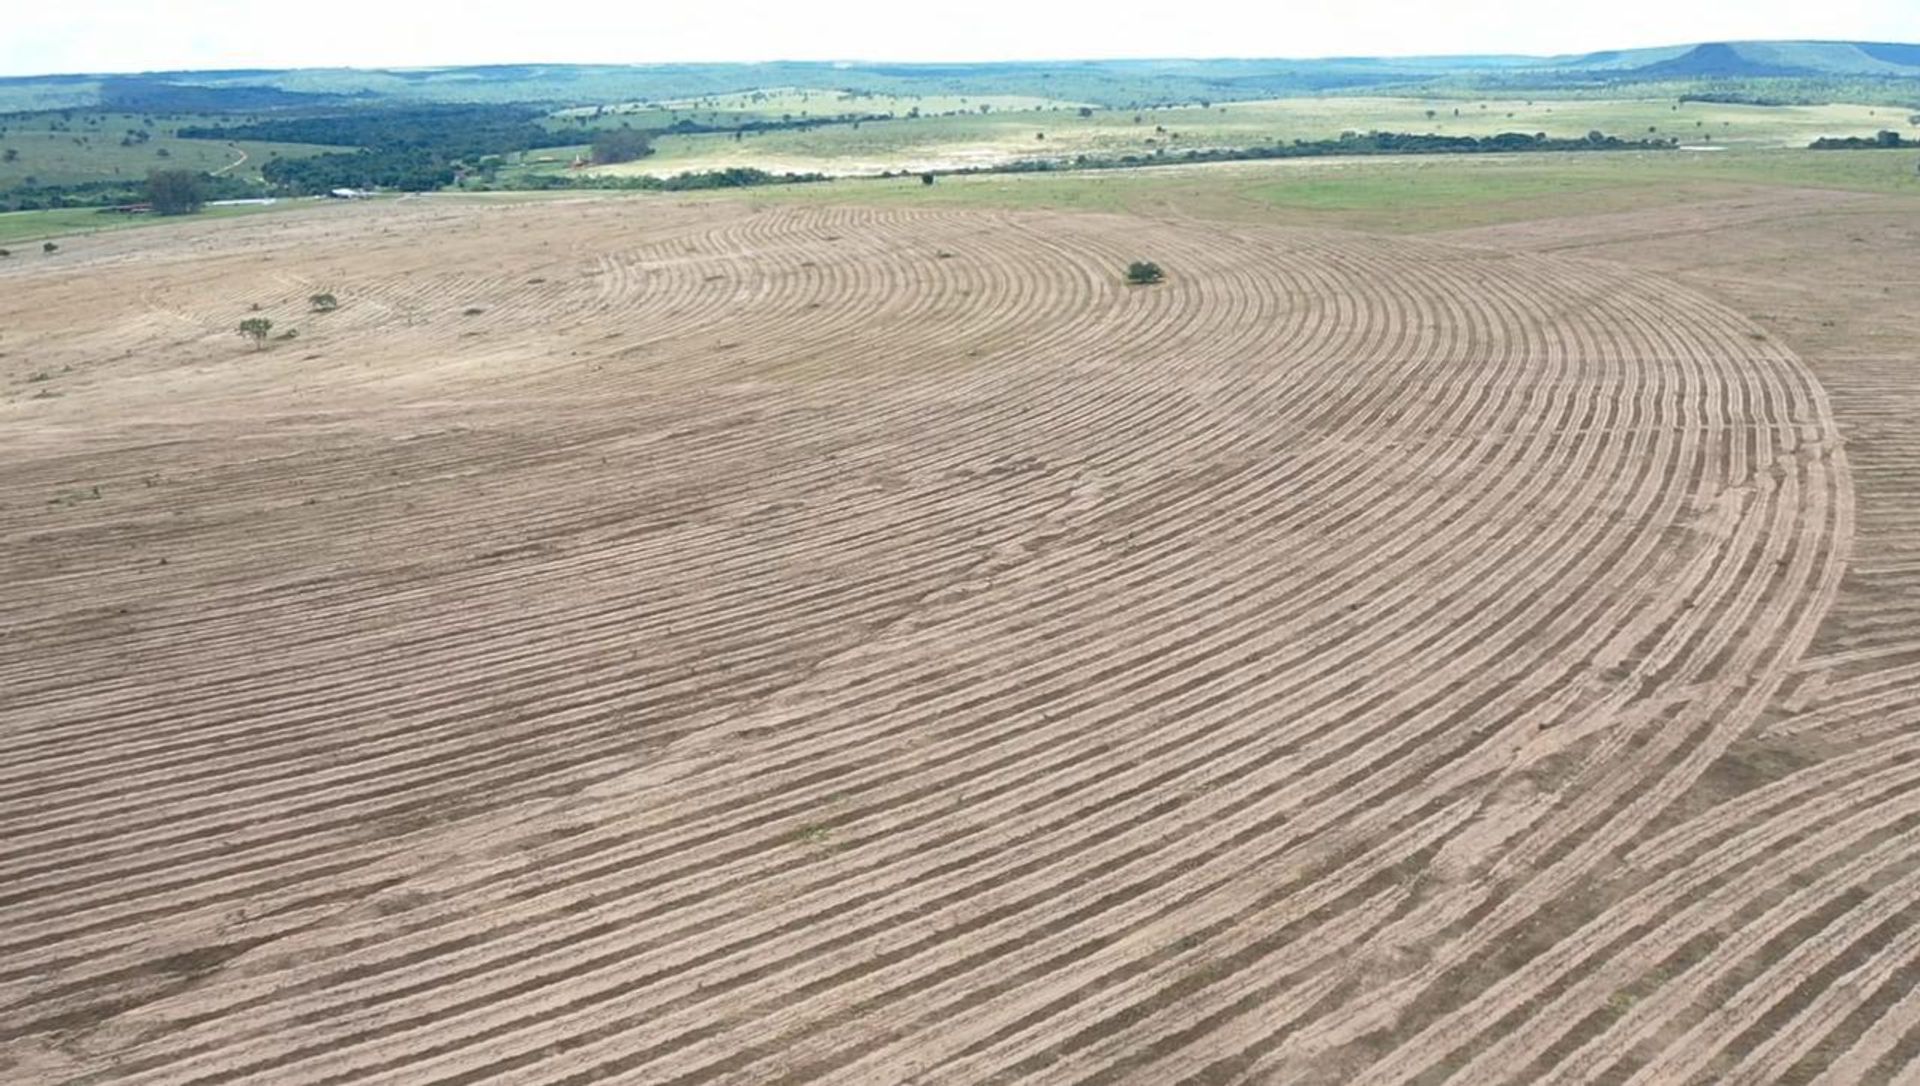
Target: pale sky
<point>146,35</point>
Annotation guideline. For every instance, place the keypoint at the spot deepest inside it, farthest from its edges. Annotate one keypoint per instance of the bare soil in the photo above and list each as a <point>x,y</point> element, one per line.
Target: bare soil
<point>689,644</point>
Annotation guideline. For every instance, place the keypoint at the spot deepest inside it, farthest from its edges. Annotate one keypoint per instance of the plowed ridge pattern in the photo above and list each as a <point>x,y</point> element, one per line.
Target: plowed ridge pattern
<point>858,647</point>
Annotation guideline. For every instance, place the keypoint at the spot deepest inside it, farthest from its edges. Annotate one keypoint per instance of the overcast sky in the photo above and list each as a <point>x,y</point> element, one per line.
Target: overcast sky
<point>146,35</point>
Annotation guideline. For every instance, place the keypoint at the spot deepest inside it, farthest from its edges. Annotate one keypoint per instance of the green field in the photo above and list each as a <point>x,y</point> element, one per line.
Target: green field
<point>81,146</point>
<point>936,142</point>
<point>1404,194</point>
<point>17,227</point>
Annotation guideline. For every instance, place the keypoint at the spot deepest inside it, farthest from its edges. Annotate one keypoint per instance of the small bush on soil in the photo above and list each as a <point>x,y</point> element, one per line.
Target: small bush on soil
<point>1142,272</point>
<point>323,303</point>
<point>256,329</point>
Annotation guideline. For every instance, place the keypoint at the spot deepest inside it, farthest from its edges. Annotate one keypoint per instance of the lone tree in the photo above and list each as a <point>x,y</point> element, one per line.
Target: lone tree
<point>175,192</point>
<point>49,247</point>
<point>620,145</point>
<point>1143,272</point>
<point>256,329</point>
<point>323,302</point>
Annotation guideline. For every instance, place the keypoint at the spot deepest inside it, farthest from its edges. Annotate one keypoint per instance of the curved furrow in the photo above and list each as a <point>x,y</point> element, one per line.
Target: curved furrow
<point>826,644</point>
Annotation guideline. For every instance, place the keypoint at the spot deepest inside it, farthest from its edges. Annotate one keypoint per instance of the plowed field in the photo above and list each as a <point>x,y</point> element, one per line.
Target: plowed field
<point>692,645</point>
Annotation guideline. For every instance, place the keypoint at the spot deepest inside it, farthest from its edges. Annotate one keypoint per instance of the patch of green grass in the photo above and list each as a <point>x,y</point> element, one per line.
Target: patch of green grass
<point>1411,193</point>
<point>22,226</point>
<point>70,498</point>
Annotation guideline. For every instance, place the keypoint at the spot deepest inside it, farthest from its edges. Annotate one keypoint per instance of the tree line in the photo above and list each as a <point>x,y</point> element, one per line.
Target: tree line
<point>734,177</point>
<point>1881,140</point>
<point>1350,143</point>
<point>118,191</point>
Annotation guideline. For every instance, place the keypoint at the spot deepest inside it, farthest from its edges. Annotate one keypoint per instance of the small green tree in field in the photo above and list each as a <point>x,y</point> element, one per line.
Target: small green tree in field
<point>49,247</point>
<point>323,302</point>
<point>1142,272</point>
<point>256,329</point>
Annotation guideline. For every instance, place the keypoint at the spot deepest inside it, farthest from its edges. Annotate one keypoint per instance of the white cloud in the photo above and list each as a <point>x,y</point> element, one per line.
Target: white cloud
<point>136,35</point>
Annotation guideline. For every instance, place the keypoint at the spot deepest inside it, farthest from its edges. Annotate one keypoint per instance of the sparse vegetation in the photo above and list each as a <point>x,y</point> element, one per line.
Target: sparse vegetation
<point>322,302</point>
<point>73,497</point>
<point>256,329</point>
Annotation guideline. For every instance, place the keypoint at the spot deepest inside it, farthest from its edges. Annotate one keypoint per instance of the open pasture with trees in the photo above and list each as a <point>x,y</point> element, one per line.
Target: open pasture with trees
<point>73,146</point>
<point>996,136</point>
<point>777,104</point>
<point>802,637</point>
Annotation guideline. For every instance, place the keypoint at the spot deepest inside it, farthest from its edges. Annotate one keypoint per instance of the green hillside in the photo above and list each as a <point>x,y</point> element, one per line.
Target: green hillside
<point>1890,70</point>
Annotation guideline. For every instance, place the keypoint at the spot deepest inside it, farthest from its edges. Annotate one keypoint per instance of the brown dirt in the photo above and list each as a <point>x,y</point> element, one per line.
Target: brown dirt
<point>877,647</point>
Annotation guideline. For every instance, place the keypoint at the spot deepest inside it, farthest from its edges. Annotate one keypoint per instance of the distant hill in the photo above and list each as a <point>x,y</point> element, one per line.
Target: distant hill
<point>1756,60</point>
<point>1881,71</point>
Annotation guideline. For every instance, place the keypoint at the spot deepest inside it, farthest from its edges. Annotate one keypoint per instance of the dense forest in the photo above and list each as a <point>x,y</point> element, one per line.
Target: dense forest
<point>114,192</point>
<point>411,148</point>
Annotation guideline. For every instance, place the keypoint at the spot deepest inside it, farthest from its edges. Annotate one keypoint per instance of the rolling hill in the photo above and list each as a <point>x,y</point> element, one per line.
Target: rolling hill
<point>1120,83</point>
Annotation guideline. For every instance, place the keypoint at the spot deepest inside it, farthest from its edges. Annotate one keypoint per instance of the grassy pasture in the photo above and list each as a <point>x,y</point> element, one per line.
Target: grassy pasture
<point>33,226</point>
<point>975,139</point>
<point>55,150</point>
<point>1405,194</point>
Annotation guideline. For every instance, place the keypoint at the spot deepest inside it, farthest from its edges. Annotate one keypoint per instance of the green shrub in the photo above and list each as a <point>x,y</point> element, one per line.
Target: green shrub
<point>256,329</point>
